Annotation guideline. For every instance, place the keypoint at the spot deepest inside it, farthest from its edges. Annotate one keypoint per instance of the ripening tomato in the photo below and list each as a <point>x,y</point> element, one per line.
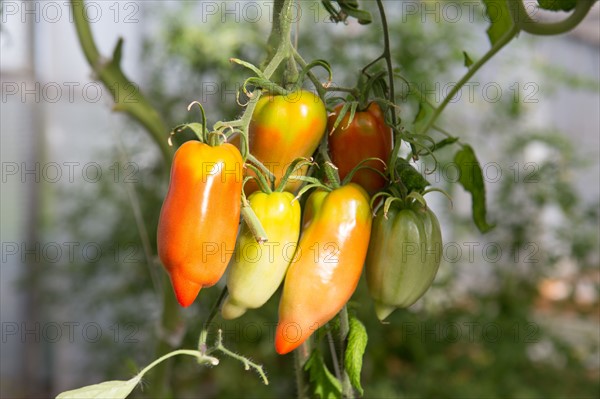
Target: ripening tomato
<point>367,136</point>
<point>199,218</point>
<point>327,265</point>
<point>257,269</point>
<point>284,128</point>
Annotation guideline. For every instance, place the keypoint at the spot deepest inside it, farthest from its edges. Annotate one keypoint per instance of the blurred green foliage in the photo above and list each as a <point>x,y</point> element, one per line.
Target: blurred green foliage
<point>480,332</point>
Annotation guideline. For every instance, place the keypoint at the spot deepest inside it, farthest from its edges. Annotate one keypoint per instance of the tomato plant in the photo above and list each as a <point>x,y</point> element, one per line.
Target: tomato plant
<point>281,124</point>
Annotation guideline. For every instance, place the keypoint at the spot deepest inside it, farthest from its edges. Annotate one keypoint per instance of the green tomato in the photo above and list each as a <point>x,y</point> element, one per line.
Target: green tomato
<point>257,270</point>
<point>403,257</point>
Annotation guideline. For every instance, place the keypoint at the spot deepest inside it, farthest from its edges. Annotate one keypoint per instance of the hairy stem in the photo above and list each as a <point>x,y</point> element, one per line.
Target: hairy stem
<point>202,347</point>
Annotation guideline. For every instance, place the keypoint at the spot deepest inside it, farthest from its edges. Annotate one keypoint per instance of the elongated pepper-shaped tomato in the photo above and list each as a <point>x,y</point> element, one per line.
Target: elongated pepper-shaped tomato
<point>327,265</point>
<point>200,215</point>
<point>257,270</point>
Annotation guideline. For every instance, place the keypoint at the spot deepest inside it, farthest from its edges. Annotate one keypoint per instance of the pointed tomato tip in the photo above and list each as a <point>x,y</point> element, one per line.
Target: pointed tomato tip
<point>287,340</point>
<point>283,347</point>
<point>186,291</point>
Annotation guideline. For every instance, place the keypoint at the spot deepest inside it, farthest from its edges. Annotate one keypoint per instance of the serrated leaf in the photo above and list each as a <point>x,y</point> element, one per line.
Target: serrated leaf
<point>324,384</point>
<point>353,357</point>
<point>471,178</point>
<point>557,5</point>
<point>499,18</point>
<point>468,60</point>
<point>104,390</point>
<point>410,177</point>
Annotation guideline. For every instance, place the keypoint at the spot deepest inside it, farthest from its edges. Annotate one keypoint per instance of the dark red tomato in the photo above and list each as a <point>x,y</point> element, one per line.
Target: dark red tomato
<point>367,136</point>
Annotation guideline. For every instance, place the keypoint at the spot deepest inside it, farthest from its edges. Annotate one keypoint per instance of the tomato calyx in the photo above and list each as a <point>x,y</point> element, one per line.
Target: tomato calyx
<point>221,134</point>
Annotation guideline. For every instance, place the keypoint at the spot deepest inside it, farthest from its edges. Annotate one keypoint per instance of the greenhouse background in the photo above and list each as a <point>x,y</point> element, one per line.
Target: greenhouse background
<point>513,313</point>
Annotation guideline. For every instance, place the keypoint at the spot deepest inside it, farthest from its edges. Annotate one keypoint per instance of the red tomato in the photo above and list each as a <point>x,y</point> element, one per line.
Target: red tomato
<point>367,136</point>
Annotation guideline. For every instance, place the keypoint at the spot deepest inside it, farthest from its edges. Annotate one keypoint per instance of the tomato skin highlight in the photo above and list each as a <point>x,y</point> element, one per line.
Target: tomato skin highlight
<point>327,265</point>
<point>199,217</point>
<point>403,258</point>
<point>284,128</point>
<point>257,270</point>
<point>367,136</point>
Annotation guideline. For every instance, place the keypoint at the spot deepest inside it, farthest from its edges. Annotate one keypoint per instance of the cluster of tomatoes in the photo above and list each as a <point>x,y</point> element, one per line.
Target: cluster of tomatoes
<point>318,254</point>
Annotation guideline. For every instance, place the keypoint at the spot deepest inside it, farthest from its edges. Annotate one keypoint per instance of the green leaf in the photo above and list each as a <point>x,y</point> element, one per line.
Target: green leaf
<point>347,8</point>
<point>471,178</point>
<point>468,60</point>
<point>410,177</point>
<point>195,127</point>
<point>557,5</point>
<point>353,358</point>
<point>324,384</point>
<point>443,143</point>
<point>499,17</point>
<point>363,17</point>
<point>421,114</point>
<point>104,390</point>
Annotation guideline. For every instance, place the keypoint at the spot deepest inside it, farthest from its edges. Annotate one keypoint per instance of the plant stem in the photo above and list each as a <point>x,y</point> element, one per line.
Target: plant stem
<point>125,93</point>
<point>300,357</point>
<point>253,223</point>
<point>200,356</point>
<point>279,39</point>
<point>334,356</point>
<point>246,362</point>
<point>387,55</point>
<point>347,391</point>
<point>504,40</point>
<point>522,19</point>
<point>211,316</point>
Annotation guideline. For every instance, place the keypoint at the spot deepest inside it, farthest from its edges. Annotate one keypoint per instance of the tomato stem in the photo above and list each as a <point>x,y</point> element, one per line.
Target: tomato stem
<point>260,179</point>
<point>295,166</point>
<point>347,391</point>
<point>300,357</point>
<point>391,94</point>
<point>522,19</point>
<point>263,169</point>
<point>333,177</point>
<point>202,347</point>
<point>252,221</point>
